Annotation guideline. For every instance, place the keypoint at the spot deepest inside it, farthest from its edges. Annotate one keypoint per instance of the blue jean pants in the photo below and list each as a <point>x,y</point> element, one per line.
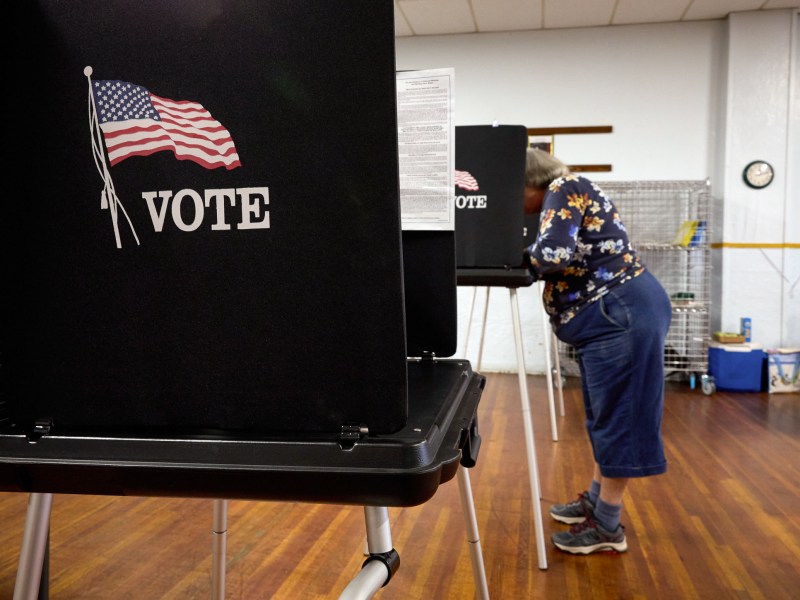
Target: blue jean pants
<point>619,340</point>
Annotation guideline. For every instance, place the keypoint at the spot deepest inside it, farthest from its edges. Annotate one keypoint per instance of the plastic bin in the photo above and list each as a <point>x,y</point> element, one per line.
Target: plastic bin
<point>783,370</point>
<point>736,367</point>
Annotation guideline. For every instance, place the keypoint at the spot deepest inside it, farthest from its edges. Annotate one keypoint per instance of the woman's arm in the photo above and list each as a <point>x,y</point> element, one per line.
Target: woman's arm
<point>556,242</point>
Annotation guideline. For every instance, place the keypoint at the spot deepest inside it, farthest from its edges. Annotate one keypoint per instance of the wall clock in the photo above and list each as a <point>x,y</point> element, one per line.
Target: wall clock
<point>758,174</point>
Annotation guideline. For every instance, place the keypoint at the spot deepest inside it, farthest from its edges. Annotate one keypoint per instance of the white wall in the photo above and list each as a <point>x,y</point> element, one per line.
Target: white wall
<point>657,85</point>
<point>661,87</point>
<point>757,249</point>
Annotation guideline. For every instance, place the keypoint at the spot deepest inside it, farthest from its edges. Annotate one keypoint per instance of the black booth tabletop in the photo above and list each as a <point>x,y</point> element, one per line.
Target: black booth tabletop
<point>400,469</point>
<point>494,277</point>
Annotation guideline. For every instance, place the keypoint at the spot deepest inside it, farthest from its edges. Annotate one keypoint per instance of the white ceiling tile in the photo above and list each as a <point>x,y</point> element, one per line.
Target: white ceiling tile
<point>649,11</point>
<point>782,4</point>
<point>719,9</point>
<point>507,15</point>
<point>401,27</point>
<point>431,17</point>
<point>438,17</point>
<point>577,13</point>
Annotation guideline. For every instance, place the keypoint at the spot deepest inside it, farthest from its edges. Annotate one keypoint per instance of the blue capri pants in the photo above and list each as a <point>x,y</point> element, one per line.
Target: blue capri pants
<point>619,341</point>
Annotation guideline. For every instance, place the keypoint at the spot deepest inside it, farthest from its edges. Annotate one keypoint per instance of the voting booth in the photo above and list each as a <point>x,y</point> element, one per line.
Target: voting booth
<point>205,184</point>
<point>489,191</point>
<point>208,292</point>
<point>492,231</point>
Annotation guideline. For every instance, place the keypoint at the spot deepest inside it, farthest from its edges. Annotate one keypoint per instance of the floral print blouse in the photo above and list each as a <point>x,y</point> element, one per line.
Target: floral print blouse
<point>582,249</point>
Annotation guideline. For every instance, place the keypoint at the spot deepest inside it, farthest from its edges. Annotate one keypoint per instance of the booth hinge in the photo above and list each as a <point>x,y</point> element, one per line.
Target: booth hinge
<point>427,355</point>
<point>41,427</point>
<point>390,559</point>
<point>351,434</point>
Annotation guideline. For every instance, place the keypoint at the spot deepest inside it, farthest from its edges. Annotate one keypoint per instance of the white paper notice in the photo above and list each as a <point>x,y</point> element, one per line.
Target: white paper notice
<point>426,148</point>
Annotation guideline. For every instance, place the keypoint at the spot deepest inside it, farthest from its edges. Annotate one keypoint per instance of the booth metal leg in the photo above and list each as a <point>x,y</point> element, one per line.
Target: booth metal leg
<point>473,538</point>
<point>483,329</point>
<point>375,573</point>
<point>218,545</point>
<point>34,544</point>
<point>44,580</point>
<point>554,346</point>
<point>547,333</point>
<point>530,445</point>
<point>469,322</point>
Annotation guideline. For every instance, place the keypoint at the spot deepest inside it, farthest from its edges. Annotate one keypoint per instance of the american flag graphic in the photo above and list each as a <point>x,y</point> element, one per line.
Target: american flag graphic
<point>136,122</point>
<point>466,181</point>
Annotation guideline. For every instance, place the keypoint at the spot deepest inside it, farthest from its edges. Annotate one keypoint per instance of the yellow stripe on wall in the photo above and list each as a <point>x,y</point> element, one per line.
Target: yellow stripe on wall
<point>756,246</point>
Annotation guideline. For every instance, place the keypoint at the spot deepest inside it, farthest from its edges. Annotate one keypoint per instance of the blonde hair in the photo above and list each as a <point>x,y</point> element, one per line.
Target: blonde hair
<point>541,168</point>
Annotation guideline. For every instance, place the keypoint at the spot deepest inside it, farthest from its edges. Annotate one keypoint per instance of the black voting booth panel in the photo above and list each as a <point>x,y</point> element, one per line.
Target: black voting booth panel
<point>223,317</point>
<point>211,319</point>
<point>490,217</point>
<point>429,264</point>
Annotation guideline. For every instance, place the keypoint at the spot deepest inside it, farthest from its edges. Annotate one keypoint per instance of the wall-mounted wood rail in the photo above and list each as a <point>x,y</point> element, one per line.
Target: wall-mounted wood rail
<point>588,168</point>
<point>570,130</point>
<point>552,131</point>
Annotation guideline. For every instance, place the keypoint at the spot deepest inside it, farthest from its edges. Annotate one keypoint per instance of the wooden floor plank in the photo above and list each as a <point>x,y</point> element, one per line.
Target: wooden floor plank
<point>723,522</point>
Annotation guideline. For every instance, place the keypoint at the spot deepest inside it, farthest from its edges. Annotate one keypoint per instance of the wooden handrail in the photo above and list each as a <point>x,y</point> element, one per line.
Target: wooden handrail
<point>555,130</point>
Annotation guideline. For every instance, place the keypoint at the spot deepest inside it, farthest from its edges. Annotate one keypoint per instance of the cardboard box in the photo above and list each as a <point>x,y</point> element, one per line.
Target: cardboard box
<point>736,367</point>
<point>729,337</point>
<point>783,370</point>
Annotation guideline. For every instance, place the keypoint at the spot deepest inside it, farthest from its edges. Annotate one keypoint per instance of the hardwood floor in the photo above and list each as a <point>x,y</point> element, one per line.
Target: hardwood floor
<point>724,522</point>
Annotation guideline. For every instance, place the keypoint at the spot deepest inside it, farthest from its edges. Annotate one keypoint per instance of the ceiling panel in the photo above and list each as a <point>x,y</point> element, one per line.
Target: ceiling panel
<point>649,11</point>
<point>577,13</point>
<point>507,15</point>
<point>770,4</point>
<point>401,26</point>
<point>719,9</point>
<point>439,17</point>
<point>430,17</point>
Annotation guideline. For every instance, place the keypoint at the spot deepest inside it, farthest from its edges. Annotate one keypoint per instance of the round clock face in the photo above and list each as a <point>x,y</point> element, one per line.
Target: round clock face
<point>758,174</point>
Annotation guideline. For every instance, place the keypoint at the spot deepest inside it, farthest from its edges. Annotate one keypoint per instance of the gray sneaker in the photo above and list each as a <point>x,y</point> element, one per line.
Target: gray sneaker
<point>573,512</point>
<point>588,537</point>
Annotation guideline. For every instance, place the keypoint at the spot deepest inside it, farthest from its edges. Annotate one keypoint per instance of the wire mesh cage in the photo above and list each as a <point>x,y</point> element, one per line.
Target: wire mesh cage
<point>668,225</point>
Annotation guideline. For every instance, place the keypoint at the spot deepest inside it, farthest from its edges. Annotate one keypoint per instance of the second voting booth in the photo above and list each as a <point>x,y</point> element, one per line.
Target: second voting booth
<point>492,231</point>
<point>208,292</point>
